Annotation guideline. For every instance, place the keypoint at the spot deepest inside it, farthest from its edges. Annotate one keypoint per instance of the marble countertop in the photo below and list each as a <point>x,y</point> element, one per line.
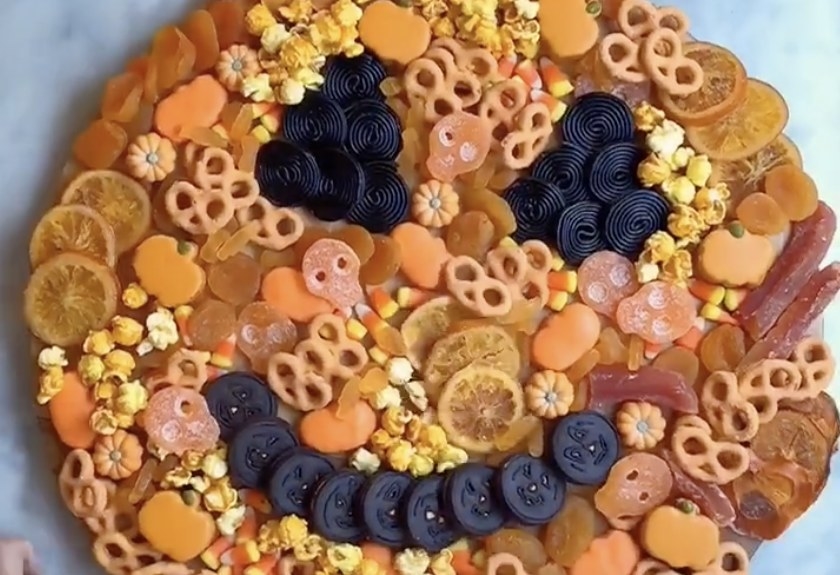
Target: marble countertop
<point>59,53</point>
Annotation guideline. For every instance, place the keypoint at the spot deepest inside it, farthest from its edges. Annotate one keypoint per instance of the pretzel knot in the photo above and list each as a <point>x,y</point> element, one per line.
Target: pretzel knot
<point>732,559</point>
<point>119,515</point>
<point>532,130</point>
<point>475,290</point>
<point>184,368</point>
<point>85,495</point>
<point>500,105</point>
<point>497,561</point>
<point>768,382</point>
<point>620,56</point>
<point>348,354</point>
<point>668,67</point>
<point>425,82</point>
<point>477,61</point>
<point>294,385</point>
<point>732,416</point>
<point>278,228</point>
<point>523,268</point>
<point>815,362</point>
<point>119,555</point>
<point>209,204</point>
<point>639,18</point>
<point>703,458</point>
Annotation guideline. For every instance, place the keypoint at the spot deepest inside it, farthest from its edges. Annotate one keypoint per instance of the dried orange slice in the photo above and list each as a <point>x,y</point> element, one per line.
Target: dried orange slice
<point>123,202</point>
<point>759,119</point>
<point>744,177</point>
<point>724,87</point>
<point>68,296</point>
<point>72,229</point>
<point>478,405</point>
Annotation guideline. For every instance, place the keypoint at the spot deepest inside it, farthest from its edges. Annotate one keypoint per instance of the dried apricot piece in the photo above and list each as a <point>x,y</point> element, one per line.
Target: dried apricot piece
<point>611,348</point>
<point>100,145</point>
<point>235,280</point>
<point>174,55</point>
<point>229,16</point>
<point>263,331</point>
<point>571,531</point>
<point>493,206</point>
<point>793,436</point>
<point>245,153</point>
<point>200,29</point>
<point>520,543</point>
<point>359,240</point>
<point>723,348</point>
<point>679,360</point>
<point>470,234</point>
<point>122,96</point>
<point>384,263</point>
<point>311,234</point>
<point>794,191</point>
<point>761,214</point>
<point>350,395</point>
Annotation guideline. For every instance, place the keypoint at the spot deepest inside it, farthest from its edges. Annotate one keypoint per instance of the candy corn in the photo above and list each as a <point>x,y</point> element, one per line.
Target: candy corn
<point>566,281</point>
<point>557,300</point>
<point>260,109</point>
<point>378,355</point>
<point>249,529</point>
<point>733,298</point>
<point>528,73</point>
<point>410,297</point>
<point>213,554</point>
<point>182,315</point>
<point>242,554</point>
<point>271,119</point>
<point>382,302</point>
<point>369,318</point>
<point>265,566</point>
<point>556,108</point>
<point>507,64</point>
<point>652,350</point>
<point>261,134</point>
<point>557,262</point>
<point>255,500</point>
<point>231,570</point>
<point>707,292</point>
<point>555,80</point>
<point>224,352</point>
<point>692,337</point>
<point>356,329</point>
<point>717,314</point>
<point>507,242</point>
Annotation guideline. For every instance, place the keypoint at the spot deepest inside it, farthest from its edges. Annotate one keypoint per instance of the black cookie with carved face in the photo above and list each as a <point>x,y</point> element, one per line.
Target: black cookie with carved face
<point>530,488</point>
<point>237,397</point>
<point>293,480</point>
<point>381,507</point>
<point>585,446</point>
<point>255,448</point>
<point>334,504</point>
<point>427,524</point>
<point>471,499</point>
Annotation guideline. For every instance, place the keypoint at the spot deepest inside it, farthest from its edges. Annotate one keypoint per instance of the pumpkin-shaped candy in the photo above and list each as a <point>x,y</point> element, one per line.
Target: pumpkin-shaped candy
<point>434,204</point>
<point>641,424</point>
<point>680,536</point>
<point>615,553</point>
<point>549,394</point>
<point>166,269</point>
<point>394,32</point>
<point>733,257</point>
<point>117,456</point>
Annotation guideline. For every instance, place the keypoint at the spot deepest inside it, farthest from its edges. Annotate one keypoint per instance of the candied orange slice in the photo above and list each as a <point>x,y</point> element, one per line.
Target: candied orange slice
<point>744,177</point>
<point>724,87</point>
<point>793,436</point>
<point>73,229</point>
<point>68,296</point>
<point>478,405</point>
<point>123,202</point>
<point>759,119</point>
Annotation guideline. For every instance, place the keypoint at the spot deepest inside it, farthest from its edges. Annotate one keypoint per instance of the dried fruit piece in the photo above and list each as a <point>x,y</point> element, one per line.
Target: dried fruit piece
<point>477,405</point>
<point>571,531</point>
<point>793,436</point>
<point>271,259</point>
<point>311,234</point>
<point>679,360</point>
<point>359,240</point>
<point>604,279</point>
<point>611,384</point>
<point>348,398</point>
<point>121,100</point>
<point>427,324</point>
<point>263,331</point>
<point>229,16</point>
<point>470,234</point>
<point>635,352</point>
<point>637,483</point>
<point>200,29</point>
<point>493,206</point>
<point>76,229</point>
<point>581,368</point>
<point>517,433</point>
<point>709,497</point>
<point>174,55</point>
<point>245,153</point>
<point>762,215</point>
<point>235,280</point>
<point>100,145</point>
<point>722,348</point>
<point>536,442</point>
<point>210,324</point>
<point>519,543</point>
<point>794,191</point>
<point>384,263</point>
<point>660,312</point>
<point>611,348</point>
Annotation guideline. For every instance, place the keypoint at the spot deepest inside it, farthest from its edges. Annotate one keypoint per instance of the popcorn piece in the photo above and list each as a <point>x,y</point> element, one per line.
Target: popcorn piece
<point>344,557</point>
<point>433,436</point>
<point>220,496</point>
<point>678,268</point>
<point>686,223</point>
<point>291,531</point>
<point>229,521</point>
<point>665,138</point>
<point>105,390</point>
<point>679,190</point>
<point>126,331</point>
<point>711,204</point>
<point>50,384</point>
<point>412,562</point>
<point>134,296</point>
<point>420,465</point>
<point>214,466</point>
<point>400,370</point>
<point>103,421</point>
<point>699,170</point>
<point>385,398</point>
<point>91,368</point>
<point>52,356</point>
<point>659,247</point>
<point>399,455</point>
<point>297,11</point>
<point>646,272</point>
<point>647,117</point>
<point>527,9</point>
<point>258,88</point>
<point>309,549</point>
<point>369,567</point>
<point>680,158</point>
<point>394,420</point>
<point>653,171</point>
<point>441,563</point>
<point>273,37</point>
<point>365,461</point>
<point>413,429</point>
<point>290,92</point>
<point>162,329</point>
<point>132,398</point>
<point>381,441</point>
<point>450,457</point>
<point>258,19</point>
<point>176,477</point>
<point>417,395</point>
<point>192,460</point>
<point>200,483</point>
<point>99,343</point>
<point>120,361</point>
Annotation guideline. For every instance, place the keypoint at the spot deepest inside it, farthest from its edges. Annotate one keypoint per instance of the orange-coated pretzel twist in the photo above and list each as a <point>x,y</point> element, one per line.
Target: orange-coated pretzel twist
<point>703,458</point>
<point>477,61</point>
<point>475,290</point>
<point>768,382</point>
<point>184,368</point>
<point>119,555</point>
<point>279,228</point>
<point>816,364</point>
<point>663,58</point>
<point>84,494</point>
<point>732,559</point>
<point>210,203</point>
<point>620,56</point>
<point>729,414</point>
<point>426,82</point>
<point>500,105</point>
<point>524,268</point>
<point>637,19</point>
<point>532,131</point>
<point>288,375</point>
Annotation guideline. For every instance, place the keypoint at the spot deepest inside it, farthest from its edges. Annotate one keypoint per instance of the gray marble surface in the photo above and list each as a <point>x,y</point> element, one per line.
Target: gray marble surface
<point>58,54</point>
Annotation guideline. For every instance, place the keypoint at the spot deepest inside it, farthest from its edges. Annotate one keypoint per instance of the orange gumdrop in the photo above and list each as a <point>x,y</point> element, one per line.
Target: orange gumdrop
<point>194,105</point>
<point>565,337</point>
<point>100,145</point>
<point>70,412</point>
<point>284,289</point>
<point>324,431</point>
<point>423,255</point>
<point>660,312</point>
<point>458,144</point>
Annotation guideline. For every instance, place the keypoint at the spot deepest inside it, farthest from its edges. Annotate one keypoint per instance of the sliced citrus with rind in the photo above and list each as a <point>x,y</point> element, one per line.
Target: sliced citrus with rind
<point>759,119</point>
<point>425,325</point>
<point>122,201</point>
<point>478,405</point>
<point>724,87</point>
<point>68,296</point>
<point>73,228</point>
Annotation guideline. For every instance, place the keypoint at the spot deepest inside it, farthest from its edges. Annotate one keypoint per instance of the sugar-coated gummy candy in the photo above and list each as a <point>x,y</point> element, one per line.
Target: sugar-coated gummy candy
<point>613,384</point>
<point>660,312</point>
<point>210,324</point>
<point>177,419</point>
<point>723,348</point>
<point>470,234</point>
<point>679,360</point>
<point>604,279</point>
<point>762,215</point>
<point>458,143</point>
<point>331,271</point>
<point>793,189</point>
<point>235,280</point>
<point>263,331</point>
<point>384,263</point>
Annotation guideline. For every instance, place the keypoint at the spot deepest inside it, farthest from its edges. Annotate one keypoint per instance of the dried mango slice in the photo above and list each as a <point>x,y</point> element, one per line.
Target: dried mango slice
<point>520,543</point>
<point>73,229</point>
<point>100,145</point>
<point>200,29</point>
<point>174,55</point>
<point>121,100</point>
<point>793,436</point>
<point>229,16</point>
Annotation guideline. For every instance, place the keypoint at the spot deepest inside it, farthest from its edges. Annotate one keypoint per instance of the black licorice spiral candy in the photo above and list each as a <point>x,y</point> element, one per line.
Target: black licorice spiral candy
<point>385,202</point>
<point>535,205</point>
<point>287,174</point>
<point>342,185</point>
<point>317,122</point>
<point>580,231</point>
<point>373,131</point>
<point>349,79</point>
<point>612,173</point>
<point>566,168</point>
<point>597,119</point>
<point>632,220</point>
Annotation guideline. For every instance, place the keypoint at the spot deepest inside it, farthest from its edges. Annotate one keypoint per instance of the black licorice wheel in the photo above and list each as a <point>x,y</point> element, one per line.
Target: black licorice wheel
<point>373,131</point>
<point>341,187</point>
<point>287,173</point>
<point>633,219</point>
<point>536,205</point>
<point>597,119</point>
<point>317,122</point>
<point>347,80</point>
<point>384,203</point>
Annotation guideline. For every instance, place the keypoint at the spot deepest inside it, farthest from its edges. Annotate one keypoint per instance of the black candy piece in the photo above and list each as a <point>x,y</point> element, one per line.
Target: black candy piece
<point>333,507</point>
<point>255,448</point>
<point>613,171</point>
<point>532,491</point>
<point>373,131</point>
<point>237,397</point>
<point>317,122</point>
<point>566,168</point>
<point>585,446</point>
<point>385,201</point>
<point>426,521</point>
<point>471,499</point>
<point>287,173</point>
<point>536,205</point>
<point>597,119</point>
<point>632,220</point>
<point>349,79</point>
<point>580,231</point>
<point>342,185</point>
<point>293,479</point>
<point>381,507</point>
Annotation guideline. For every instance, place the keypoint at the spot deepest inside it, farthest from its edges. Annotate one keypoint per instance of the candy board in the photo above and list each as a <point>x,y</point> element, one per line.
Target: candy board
<point>452,262</point>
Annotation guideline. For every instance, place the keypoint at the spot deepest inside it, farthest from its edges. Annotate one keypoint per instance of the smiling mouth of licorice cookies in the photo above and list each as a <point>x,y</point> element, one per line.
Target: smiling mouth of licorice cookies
<point>373,287</point>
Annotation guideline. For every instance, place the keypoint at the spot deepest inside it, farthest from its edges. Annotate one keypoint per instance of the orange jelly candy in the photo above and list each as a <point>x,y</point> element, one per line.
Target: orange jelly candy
<point>660,312</point>
<point>177,420</point>
<point>235,280</point>
<point>262,332</point>
<point>679,360</point>
<point>384,263</point>
<point>762,215</point>
<point>604,279</point>
<point>210,324</point>
<point>458,144</point>
<point>470,234</point>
